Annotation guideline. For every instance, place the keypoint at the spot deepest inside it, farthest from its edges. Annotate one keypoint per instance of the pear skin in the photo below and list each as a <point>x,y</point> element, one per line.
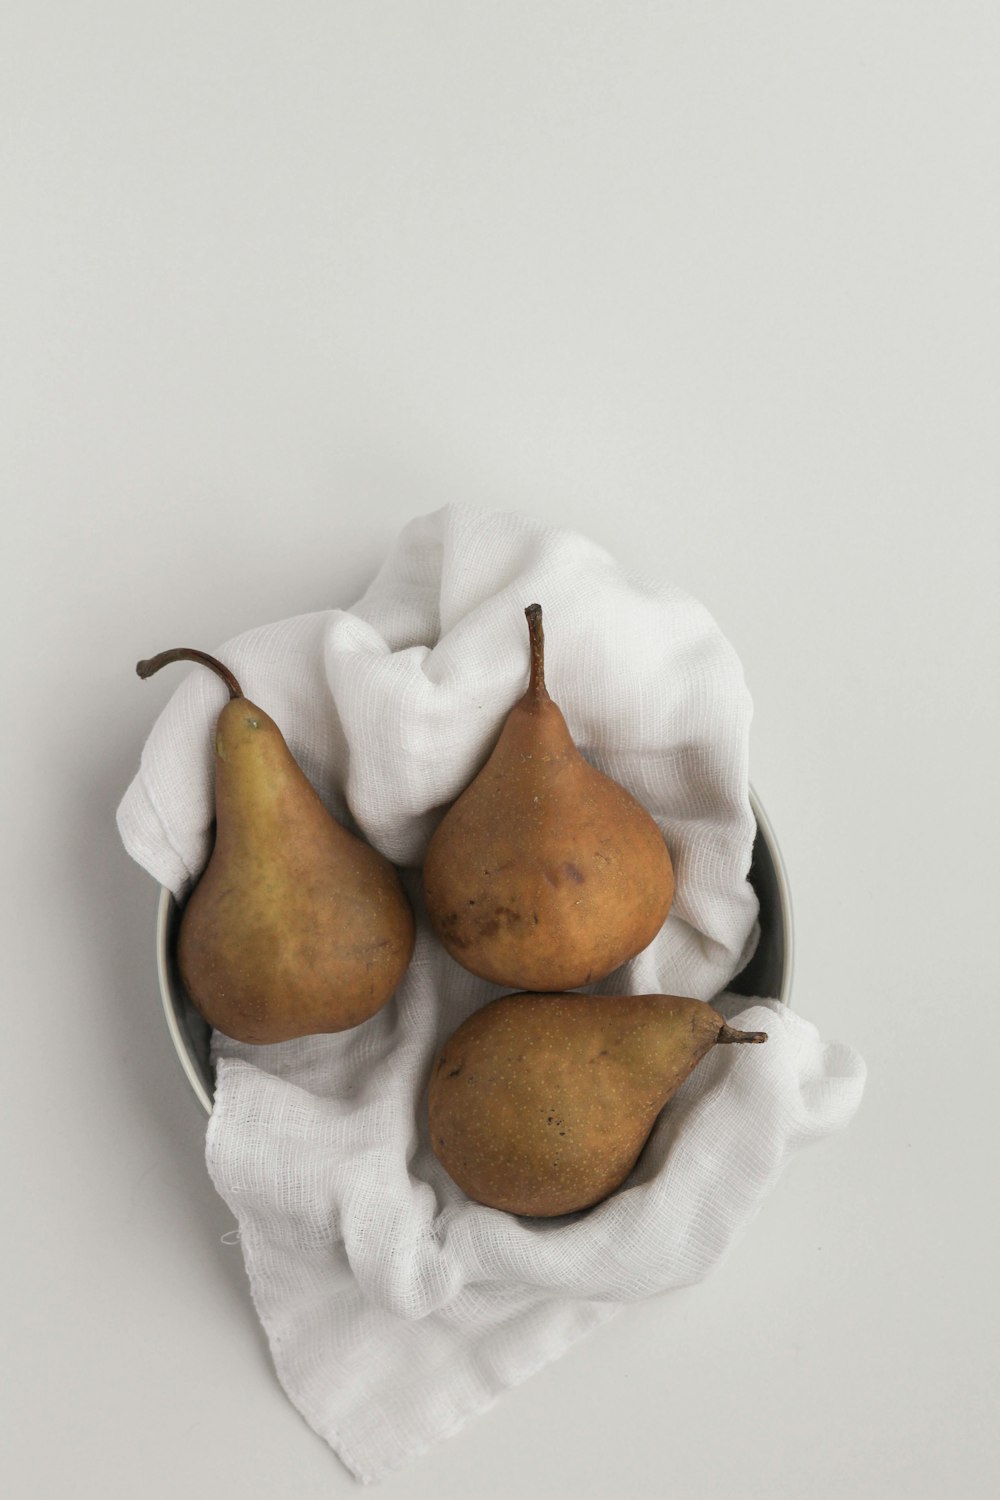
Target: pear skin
<point>295,926</point>
<point>545,874</point>
<point>540,1104</point>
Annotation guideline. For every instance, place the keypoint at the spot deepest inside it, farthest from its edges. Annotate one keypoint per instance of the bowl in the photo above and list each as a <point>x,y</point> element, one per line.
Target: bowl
<point>768,973</point>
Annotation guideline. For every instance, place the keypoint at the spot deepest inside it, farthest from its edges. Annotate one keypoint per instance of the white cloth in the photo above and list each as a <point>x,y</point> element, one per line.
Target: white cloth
<point>395,1308</point>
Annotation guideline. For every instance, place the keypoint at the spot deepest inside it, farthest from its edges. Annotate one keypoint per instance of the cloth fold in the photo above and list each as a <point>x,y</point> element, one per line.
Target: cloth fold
<point>395,1307</point>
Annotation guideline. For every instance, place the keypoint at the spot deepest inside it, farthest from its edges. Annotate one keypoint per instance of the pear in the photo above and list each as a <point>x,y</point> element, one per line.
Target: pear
<point>295,925</point>
<point>545,874</point>
<point>540,1104</point>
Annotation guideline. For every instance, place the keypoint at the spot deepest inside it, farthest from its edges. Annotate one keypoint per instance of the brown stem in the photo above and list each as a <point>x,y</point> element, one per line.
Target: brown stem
<point>729,1034</point>
<point>186,653</point>
<point>536,681</point>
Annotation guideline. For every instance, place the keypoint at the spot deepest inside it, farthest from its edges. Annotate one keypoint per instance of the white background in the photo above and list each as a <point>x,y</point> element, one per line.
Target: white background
<point>717,284</point>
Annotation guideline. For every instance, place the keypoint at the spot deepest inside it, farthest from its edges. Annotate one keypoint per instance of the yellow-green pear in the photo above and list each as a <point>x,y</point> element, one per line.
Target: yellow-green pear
<point>295,926</point>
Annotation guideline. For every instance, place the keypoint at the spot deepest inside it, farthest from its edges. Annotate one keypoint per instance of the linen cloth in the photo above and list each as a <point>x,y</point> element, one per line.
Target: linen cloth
<point>394,1307</point>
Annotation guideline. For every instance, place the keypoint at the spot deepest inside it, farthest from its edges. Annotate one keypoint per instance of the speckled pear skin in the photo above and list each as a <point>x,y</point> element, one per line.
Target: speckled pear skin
<point>296,926</point>
<point>545,874</point>
<point>540,1104</point>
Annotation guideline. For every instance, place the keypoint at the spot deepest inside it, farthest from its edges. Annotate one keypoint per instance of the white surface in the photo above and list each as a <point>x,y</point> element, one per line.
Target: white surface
<point>716,284</point>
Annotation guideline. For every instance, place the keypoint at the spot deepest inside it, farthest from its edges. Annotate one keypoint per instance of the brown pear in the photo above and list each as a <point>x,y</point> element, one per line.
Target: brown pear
<point>540,1104</point>
<point>545,874</point>
<point>295,925</point>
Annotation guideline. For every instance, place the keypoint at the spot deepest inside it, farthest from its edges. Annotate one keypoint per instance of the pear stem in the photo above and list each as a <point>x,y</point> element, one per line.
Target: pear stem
<point>536,681</point>
<point>187,653</point>
<point>730,1034</point>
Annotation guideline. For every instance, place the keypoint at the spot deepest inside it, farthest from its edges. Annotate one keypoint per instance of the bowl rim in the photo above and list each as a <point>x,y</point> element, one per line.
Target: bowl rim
<point>164,918</point>
<point>766,828</point>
